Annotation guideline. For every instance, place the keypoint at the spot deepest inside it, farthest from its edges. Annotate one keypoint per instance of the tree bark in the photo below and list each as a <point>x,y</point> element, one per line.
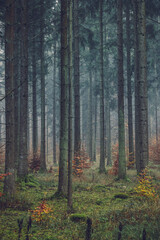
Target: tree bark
<point>102,140</point>
<point>107,106</point>
<point>77,137</point>
<point>70,109</point>
<point>34,90</point>
<point>95,117</point>
<point>23,142</point>
<point>141,103</point>
<point>17,67</point>
<point>54,108</point>
<point>129,89</point>
<point>90,122</point>
<point>121,129</point>
<point>42,67</point>
<point>62,185</point>
<point>156,101</point>
<point>9,183</point>
<point>136,63</point>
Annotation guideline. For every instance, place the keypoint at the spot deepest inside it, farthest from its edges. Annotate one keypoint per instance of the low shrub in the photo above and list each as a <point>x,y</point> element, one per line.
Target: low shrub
<point>81,161</point>
<point>145,185</point>
<point>41,213</point>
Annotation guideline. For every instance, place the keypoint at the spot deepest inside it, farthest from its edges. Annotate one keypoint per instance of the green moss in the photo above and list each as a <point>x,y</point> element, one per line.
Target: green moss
<point>121,196</point>
<point>100,188</point>
<point>76,217</point>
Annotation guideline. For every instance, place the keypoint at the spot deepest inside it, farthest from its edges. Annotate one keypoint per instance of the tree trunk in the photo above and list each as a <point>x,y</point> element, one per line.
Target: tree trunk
<point>9,183</point>
<point>62,185</point>
<point>141,86</point>
<point>121,129</point>
<point>136,62</point>
<point>23,142</point>
<point>34,91</point>
<point>17,65</point>
<point>108,129</point>
<point>129,89</point>
<point>77,140</point>
<point>102,149</point>
<point>42,67</point>
<point>54,108</point>
<point>156,102</point>
<point>70,110</point>
<point>108,122</point>
<point>95,118</point>
<point>90,123</point>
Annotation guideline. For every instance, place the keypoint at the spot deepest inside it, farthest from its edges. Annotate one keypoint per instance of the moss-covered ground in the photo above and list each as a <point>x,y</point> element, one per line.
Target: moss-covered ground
<point>109,203</point>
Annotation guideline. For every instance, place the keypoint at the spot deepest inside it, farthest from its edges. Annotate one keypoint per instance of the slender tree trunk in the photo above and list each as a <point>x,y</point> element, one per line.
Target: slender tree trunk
<point>141,86</point>
<point>149,124</point>
<point>84,125</point>
<point>95,118</point>
<point>62,185</point>
<point>70,110</point>
<point>108,129</point>
<point>54,108</point>
<point>108,122</point>
<point>17,83</point>
<point>95,127</point>
<point>77,140</point>
<point>121,129</point>
<point>136,63</point>
<point>102,141</point>
<point>34,91</point>
<point>90,125</point>
<point>42,67</point>
<point>9,183</point>
<point>129,89</point>
<point>156,102</point>
<point>23,143</point>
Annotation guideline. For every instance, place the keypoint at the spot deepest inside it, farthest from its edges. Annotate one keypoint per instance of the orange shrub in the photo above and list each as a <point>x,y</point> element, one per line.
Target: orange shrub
<point>81,160</point>
<point>41,212</point>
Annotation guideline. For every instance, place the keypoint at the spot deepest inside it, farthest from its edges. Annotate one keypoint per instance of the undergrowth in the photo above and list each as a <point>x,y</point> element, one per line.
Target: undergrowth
<point>108,203</point>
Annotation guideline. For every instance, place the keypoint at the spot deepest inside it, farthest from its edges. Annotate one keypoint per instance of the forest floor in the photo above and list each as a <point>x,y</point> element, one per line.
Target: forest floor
<point>114,207</point>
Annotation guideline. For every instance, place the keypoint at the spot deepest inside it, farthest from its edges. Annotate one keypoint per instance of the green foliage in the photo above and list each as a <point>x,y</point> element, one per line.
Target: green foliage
<point>29,181</point>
